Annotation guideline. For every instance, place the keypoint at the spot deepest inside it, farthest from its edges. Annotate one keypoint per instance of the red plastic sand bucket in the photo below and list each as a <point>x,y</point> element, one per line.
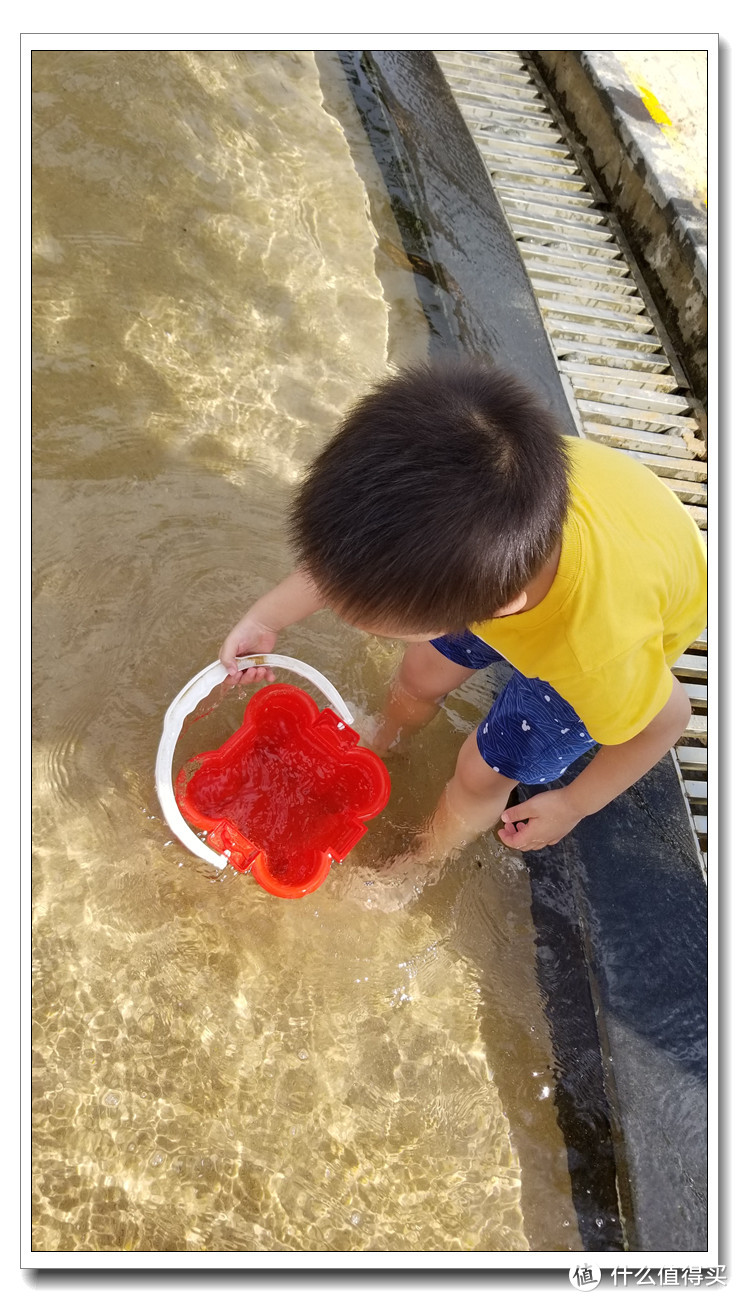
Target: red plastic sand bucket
<point>289,792</point>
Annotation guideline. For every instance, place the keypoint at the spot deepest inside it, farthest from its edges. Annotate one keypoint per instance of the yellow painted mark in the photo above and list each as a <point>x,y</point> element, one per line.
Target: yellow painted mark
<point>653,106</point>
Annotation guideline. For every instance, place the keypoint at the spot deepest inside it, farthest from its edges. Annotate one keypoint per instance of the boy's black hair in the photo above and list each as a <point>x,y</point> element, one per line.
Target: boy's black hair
<point>441,496</point>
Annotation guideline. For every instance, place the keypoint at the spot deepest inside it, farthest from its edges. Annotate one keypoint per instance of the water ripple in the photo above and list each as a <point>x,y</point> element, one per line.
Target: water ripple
<point>215,1068</point>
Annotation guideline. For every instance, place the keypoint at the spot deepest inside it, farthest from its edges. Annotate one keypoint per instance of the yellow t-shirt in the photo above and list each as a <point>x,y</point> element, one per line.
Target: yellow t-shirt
<point>629,596</point>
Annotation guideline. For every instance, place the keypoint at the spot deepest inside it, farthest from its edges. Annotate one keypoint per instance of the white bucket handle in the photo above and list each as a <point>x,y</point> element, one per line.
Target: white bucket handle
<point>184,703</point>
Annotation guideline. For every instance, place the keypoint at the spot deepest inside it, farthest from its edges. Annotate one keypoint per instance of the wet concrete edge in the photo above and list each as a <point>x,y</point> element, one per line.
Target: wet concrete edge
<point>642,904</point>
<point>620,906</point>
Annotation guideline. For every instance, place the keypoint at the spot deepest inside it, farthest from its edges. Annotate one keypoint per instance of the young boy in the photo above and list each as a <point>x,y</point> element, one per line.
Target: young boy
<point>449,511</point>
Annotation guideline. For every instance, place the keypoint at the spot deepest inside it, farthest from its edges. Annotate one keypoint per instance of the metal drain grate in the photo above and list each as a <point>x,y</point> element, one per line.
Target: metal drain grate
<point>624,386</point>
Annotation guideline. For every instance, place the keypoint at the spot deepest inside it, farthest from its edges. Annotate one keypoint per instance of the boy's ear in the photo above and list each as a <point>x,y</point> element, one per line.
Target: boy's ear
<point>513,606</point>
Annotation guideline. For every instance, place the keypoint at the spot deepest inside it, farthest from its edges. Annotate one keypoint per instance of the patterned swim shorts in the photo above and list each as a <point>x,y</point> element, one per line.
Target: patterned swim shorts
<point>530,733</point>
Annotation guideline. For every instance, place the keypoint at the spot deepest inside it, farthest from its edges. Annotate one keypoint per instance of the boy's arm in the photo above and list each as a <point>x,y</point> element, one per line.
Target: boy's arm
<point>292,600</point>
<point>552,814</point>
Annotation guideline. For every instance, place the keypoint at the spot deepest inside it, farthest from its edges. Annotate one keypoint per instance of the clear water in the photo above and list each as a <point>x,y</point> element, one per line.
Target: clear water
<point>217,276</point>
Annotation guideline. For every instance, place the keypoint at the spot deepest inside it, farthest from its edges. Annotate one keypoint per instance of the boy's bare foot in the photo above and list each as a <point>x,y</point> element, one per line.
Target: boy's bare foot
<point>393,886</point>
<point>369,727</point>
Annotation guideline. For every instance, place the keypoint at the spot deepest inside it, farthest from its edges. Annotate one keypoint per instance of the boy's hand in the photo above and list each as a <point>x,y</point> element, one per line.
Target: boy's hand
<point>550,815</point>
<point>256,634</point>
<point>249,637</point>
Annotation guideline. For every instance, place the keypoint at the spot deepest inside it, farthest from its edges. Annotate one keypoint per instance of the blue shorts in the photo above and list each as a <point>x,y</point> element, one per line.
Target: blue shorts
<point>531,733</point>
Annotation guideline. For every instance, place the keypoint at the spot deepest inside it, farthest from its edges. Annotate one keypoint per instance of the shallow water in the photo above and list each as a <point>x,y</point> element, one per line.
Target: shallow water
<point>217,275</point>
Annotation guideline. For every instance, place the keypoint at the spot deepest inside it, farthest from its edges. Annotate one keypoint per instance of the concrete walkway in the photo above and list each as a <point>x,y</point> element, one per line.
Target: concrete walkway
<point>674,88</point>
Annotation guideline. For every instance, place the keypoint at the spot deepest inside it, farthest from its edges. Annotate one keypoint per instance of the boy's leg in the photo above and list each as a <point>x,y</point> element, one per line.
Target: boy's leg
<point>530,733</point>
<point>471,803</point>
<point>424,678</point>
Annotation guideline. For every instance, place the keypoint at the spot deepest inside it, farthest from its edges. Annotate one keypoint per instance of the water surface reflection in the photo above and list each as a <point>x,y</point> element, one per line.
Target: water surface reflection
<point>215,1068</point>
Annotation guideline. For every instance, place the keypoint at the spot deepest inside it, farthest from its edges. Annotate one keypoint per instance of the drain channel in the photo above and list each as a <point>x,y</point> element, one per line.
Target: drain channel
<point>624,385</point>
